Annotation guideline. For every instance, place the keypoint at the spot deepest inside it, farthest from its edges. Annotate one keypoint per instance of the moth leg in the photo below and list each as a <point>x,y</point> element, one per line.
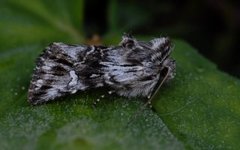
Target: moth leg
<point>152,95</point>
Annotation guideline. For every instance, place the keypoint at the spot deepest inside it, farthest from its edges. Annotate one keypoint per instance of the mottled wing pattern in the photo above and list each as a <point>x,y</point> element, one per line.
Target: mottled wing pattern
<point>134,68</point>
<point>60,70</point>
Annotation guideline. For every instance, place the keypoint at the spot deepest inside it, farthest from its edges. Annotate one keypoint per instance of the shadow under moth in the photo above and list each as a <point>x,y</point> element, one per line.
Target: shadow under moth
<point>131,69</point>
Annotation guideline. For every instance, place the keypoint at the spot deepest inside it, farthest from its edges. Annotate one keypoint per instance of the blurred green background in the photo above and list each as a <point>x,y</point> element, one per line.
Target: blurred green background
<point>211,26</point>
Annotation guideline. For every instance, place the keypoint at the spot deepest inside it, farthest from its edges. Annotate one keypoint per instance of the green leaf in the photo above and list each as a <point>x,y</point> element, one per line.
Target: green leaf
<point>197,110</point>
<point>201,106</point>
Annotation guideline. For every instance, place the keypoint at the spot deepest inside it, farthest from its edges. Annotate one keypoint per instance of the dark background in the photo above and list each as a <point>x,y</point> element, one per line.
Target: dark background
<point>211,26</point>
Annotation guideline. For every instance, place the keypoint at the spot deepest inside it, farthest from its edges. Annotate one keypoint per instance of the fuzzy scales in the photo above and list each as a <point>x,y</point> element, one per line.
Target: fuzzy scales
<point>133,68</point>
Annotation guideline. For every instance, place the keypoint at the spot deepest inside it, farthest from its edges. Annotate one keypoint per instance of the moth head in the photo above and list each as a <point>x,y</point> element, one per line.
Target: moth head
<point>128,42</point>
<point>161,48</point>
<point>158,44</point>
<point>161,44</point>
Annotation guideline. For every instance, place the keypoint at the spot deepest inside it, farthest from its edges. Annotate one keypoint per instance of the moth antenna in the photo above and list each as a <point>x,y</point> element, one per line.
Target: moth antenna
<point>161,83</point>
<point>150,98</point>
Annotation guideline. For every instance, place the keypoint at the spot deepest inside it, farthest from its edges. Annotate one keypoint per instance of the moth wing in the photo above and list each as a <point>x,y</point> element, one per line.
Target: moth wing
<point>54,75</point>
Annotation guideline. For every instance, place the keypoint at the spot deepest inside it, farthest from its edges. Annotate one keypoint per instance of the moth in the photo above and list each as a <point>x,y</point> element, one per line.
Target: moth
<point>132,69</point>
